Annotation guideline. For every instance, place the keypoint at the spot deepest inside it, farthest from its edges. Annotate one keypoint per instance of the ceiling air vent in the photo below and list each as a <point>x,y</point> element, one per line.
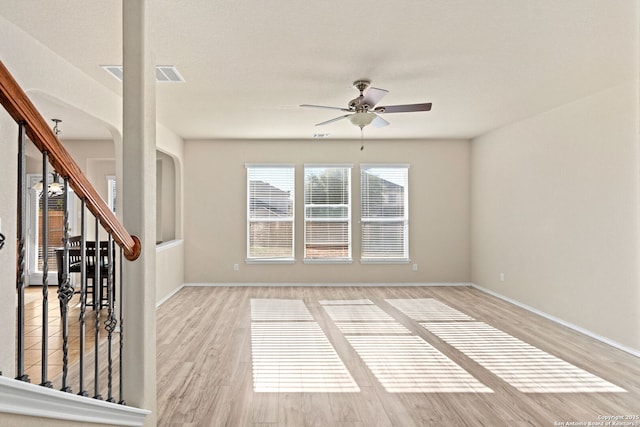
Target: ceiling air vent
<point>164,73</point>
<point>168,73</point>
<point>114,70</point>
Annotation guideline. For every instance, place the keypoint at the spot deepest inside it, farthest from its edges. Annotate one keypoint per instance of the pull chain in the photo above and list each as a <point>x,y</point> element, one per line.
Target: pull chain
<point>361,138</point>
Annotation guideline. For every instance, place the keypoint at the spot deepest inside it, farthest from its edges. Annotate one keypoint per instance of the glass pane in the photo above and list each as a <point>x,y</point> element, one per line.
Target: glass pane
<point>271,239</point>
<point>271,192</point>
<point>56,230</point>
<point>326,186</point>
<point>266,201</point>
<point>383,197</point>
<point>327,212</point>
<point>327,240</point>
<point>384,240</point>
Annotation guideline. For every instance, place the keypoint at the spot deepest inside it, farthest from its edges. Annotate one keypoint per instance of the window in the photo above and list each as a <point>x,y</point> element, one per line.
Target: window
<point>327,213</point>
<point>55,218</point>
<point>111,192</point>
<point>385,213</point>
<point>270,212</point>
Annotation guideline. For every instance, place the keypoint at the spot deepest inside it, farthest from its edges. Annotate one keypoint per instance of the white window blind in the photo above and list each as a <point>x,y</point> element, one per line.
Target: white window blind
<point>270,212</point>
<point>111,192</point>
<point>385,213</point>
<point>327,213</point>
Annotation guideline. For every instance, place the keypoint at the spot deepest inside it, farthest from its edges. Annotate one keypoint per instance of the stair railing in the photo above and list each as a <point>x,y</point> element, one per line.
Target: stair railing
<point>31,125</point>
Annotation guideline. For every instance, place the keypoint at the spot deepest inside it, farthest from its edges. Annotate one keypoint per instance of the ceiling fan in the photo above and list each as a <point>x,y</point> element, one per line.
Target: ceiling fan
<point>363,111</point>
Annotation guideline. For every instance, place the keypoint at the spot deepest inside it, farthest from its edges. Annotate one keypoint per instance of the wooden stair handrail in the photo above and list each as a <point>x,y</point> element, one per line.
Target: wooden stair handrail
<point>22,110</point>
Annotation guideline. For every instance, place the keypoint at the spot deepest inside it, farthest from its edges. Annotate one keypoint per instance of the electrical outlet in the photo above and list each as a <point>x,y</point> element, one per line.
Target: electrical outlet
<point>502,277</point>
<point>415,267</point>
<point>236,267</point>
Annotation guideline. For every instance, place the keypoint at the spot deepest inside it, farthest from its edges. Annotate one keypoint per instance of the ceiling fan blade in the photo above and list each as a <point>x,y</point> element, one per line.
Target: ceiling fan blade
<point>403,108</point>
<point>323,106</point>
<point>372,96</point>
<point>379,122</point>
<point>333,120</point>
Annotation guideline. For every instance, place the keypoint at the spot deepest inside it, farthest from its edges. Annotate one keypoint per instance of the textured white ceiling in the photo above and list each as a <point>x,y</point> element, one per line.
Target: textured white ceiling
<point>248,64</point>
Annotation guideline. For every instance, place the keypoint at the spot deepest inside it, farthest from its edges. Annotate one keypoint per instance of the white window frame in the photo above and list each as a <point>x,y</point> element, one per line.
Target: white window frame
<point>348,258</point>
<point>404,219</point>
<point>270,260</point>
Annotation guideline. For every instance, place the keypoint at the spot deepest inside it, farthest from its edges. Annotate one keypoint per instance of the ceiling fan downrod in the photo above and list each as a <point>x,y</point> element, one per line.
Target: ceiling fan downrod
<point>356,103</point>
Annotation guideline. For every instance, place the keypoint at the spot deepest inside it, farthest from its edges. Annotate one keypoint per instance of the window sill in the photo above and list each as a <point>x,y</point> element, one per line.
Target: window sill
<point>328,261</point>
<point>385,261</point>
<point>271,261</point>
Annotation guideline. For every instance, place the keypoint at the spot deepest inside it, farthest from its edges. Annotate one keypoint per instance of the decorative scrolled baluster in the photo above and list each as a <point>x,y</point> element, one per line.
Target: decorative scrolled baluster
<point>110,323</point>
<point>97,305</point>
<point>83,296</point>
<point>65,291</point>
<point>45,271</point>
<point>21,237</point>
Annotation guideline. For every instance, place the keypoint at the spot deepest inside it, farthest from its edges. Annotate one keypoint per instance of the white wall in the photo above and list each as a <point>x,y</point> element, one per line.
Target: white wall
<point>555,208</point>
<point>216,203</point>
<point>170,255</point>
<point>8,203</point>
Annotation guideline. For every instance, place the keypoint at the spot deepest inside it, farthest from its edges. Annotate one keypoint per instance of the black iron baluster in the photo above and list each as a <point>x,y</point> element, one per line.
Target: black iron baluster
<point>83,295</point>
<point>121,342</point>
<point>110,323</point>
<point>65,290</point>
<point>97,291</point>
<point>22,233</point>
<point>45,269</point>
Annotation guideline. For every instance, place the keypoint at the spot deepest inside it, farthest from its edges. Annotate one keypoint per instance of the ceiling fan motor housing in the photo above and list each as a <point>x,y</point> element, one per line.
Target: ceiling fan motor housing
<point>356,103</point>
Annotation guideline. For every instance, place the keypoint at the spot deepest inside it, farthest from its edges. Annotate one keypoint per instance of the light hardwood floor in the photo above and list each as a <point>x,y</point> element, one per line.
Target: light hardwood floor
<point>33,343</point>
<point>33,332</point>
<point>517,369</point>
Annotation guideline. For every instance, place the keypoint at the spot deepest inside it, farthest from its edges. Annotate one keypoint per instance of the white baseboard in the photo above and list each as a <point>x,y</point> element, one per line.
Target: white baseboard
<point>169,295</point>
<point>17,397</point>
<point>333,284</point>
<point>560,321</point>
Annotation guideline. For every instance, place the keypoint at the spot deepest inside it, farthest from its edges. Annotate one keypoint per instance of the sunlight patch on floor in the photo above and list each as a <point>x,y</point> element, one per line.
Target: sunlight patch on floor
<point>408,364</point>
<point>279,309</point>
<point>427,310</point>
<point>353,313</point>
<point>351,328</point>
<point>295,355</point>
<point>401,362</point>
<point>522,365</point>
<point>345,301</point>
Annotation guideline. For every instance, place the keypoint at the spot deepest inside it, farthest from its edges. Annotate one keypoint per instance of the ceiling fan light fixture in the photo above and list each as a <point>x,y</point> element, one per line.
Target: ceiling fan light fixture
<point>362,119</point>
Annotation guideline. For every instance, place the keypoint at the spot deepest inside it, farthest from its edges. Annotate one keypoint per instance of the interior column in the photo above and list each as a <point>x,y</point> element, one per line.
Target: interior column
<point>139,203</point>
